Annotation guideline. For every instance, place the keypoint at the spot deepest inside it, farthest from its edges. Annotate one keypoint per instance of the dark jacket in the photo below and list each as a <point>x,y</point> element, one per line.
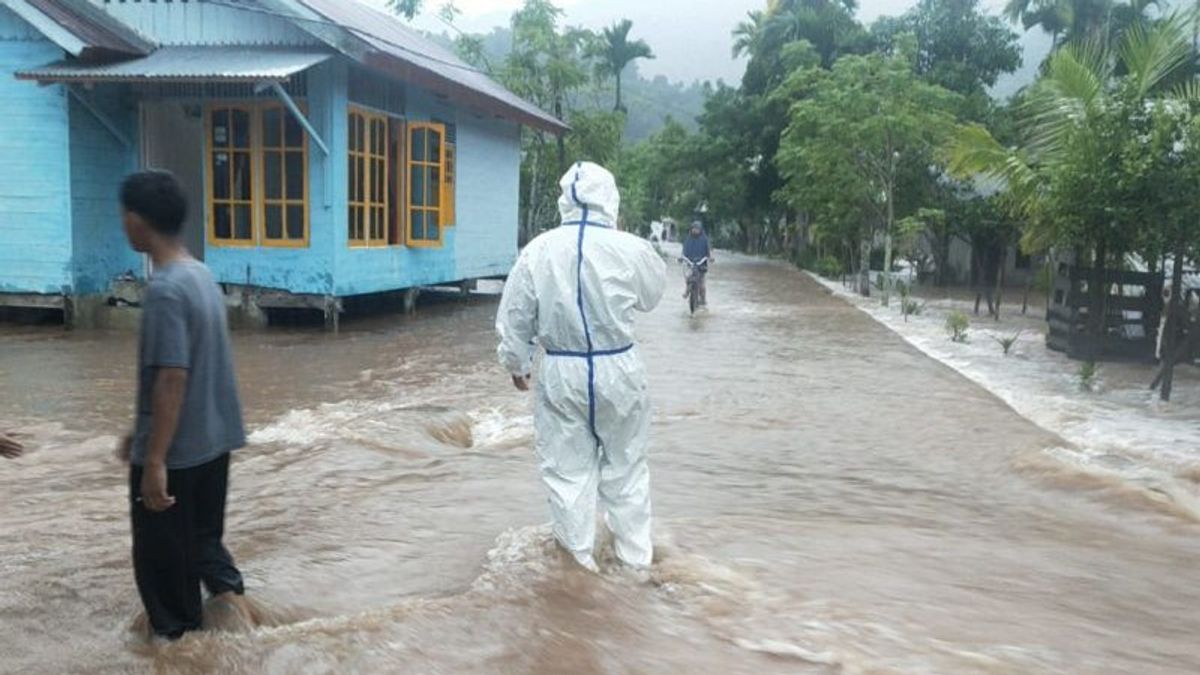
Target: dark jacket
<point>696,248</point>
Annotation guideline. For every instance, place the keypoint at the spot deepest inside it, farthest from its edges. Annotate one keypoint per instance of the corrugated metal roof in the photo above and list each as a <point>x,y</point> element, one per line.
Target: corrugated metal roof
<point>93,27</point>
<point>189,64</point>
<point>400,50</point>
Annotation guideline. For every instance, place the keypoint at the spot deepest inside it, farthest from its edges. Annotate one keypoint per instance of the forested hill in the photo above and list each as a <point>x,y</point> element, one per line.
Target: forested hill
<point>650,102</point>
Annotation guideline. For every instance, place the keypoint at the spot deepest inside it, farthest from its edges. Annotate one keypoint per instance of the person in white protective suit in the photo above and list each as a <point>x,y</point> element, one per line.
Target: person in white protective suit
<point>574,292</point>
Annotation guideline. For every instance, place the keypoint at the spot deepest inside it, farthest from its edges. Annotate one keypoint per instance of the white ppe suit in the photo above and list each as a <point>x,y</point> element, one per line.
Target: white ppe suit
<point>573,293</point>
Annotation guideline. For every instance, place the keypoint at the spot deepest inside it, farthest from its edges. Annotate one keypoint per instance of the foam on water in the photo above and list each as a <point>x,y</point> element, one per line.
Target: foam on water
<point>1123,437</point>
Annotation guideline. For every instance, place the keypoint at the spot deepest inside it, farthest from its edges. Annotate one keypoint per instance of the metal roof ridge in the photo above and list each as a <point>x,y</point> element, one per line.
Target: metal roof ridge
<point>96,29</point>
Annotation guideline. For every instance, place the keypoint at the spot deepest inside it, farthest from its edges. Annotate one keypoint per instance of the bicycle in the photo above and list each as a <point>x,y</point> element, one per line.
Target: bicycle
<point>694,274</point>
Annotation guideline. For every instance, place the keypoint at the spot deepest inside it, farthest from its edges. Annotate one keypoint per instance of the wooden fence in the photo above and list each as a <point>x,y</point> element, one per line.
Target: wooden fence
<point>1132,306</point>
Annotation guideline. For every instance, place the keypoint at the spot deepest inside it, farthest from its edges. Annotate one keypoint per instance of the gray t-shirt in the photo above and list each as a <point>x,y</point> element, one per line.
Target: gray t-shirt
<point>184,325</point>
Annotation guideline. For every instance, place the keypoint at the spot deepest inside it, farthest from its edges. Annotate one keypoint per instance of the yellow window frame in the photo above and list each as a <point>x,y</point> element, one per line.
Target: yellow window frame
<point>424,208</point>
<point>257,203</point>
<point>368,168</point>
<point>231,202</point>
<point>283,202</point>
<point>449,183</point>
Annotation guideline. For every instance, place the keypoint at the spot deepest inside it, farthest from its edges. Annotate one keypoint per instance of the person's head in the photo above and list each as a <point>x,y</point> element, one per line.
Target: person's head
<point>589,192</point>
<point>696,229</point>
<point>153,208</point>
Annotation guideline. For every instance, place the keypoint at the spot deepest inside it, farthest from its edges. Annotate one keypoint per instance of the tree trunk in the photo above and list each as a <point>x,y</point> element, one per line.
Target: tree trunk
<point>531,210</point>
<point>562,138</point>
<point>864,268</point>
<point>1174,314</point>
<point>887,245</point>
<point>1096,289</point>
<point>1000,270</point>
<point>801,236</point>
<point>618,107</point>
<point>941,257</point>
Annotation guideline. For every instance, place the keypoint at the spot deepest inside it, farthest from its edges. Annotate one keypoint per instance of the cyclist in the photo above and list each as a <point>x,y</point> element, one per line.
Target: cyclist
<point>698,250</point>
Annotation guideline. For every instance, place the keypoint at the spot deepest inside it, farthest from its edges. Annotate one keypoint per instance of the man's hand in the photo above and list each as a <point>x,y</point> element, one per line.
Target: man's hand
<point>10,448</point>
<point>125,448</point>
<point>521,382</point>
<point>154,488</point>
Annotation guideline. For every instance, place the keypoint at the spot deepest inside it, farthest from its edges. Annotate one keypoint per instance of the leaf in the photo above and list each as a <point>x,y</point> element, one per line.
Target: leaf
<point>1152,55</point>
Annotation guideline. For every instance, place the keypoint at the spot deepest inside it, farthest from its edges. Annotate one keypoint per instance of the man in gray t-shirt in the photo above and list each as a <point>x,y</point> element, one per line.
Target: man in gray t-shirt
<point>188,419</point>
<point>184,327</point>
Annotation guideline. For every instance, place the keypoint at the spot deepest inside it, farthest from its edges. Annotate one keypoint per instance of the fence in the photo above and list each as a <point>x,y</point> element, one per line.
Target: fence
<point>1132,305</point>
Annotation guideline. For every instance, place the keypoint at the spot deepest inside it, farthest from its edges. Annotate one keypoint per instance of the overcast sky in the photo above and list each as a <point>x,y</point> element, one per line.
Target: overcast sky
<point>690,37</point>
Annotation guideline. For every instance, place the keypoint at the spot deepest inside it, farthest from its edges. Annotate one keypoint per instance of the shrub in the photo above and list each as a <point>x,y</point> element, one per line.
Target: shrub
<point>1007,343</point>
<point>1088,371</point>
<point>829,267</point>
<point>910,307</point>
<point>957,324</point>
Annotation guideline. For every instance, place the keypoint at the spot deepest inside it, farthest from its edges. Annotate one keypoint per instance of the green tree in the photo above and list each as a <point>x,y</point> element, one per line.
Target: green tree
<point>874,124</point>
<point>829,25</point>
<point>409,9</point>
<point>1080,21</point>
<point>545,65</point>
<point>748,33</point>
<point>1162,163</point>
<point>615,51</point>
<point>1069,176</point>
<point>958,46</point>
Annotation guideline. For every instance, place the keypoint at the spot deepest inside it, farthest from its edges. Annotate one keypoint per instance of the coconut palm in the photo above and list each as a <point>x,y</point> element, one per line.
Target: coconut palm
<point>615,51</point>
<point>828,24</point>
<point>1079,20</point>
<point>748,34</point>
<point>1068,103</point>
<point>1073,178</point>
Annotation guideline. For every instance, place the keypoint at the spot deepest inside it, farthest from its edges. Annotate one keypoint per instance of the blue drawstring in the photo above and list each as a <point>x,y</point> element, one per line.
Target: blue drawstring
<point>584,355</point>
<point>590,355</point>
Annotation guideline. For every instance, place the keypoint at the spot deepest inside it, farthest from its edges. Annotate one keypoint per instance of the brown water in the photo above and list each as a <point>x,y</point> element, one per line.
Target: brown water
<point>828,500</point>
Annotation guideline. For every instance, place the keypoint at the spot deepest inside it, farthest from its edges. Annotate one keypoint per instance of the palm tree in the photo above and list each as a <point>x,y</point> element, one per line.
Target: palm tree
<point>828,24</point>
<point>1065,176</point>
<point>1079,86</point>
<point>1079,20</point>
<point>615,51</point>
<point>748,34</point>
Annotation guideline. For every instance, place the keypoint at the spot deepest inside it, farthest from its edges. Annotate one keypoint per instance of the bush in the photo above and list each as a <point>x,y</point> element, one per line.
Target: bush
<point>957,324</point>
<point>1007,343</point>
<point>829,267</point>
<point>1044,281</point>
<point>910,307</point>
<point>1088,371</point>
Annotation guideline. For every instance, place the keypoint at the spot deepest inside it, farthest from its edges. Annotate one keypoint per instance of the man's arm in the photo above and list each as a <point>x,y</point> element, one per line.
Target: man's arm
<point>167,346</point>
<point>651,274</point>
<point>170,387</point>
<point>516,322</point>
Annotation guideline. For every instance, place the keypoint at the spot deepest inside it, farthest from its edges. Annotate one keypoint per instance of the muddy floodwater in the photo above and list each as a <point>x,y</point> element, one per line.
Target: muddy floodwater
<point>829,500</point>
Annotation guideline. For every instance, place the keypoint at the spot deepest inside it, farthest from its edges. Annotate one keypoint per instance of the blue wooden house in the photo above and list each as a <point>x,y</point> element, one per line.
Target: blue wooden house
<point>329,150</point>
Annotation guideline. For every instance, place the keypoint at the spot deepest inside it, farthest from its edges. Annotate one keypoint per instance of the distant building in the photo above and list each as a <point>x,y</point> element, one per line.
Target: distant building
<point>329,150</point>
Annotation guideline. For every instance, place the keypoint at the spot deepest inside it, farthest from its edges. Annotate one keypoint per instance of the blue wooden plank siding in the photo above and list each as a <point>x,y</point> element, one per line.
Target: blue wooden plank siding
<point>35,202</point>
<point>489,183</point>
<point>98,163</point>
<point>483,242</point>
<point>194,23</point>
<point>303,270</point>
<point>61,169</point>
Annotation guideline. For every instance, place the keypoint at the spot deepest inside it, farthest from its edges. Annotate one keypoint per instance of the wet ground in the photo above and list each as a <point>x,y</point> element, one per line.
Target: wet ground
<point>829,500</point>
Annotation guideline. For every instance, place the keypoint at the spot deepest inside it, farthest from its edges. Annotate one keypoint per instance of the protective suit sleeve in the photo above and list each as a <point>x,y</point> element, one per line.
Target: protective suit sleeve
<point>516,321</point>
<point>651,278</point>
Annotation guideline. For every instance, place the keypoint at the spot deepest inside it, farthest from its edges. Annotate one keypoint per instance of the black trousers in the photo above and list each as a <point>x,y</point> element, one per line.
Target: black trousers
<point>176,550</point>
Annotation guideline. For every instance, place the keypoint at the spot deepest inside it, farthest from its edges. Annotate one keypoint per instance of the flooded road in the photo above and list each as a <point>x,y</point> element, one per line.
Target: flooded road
<point>828,500</point>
